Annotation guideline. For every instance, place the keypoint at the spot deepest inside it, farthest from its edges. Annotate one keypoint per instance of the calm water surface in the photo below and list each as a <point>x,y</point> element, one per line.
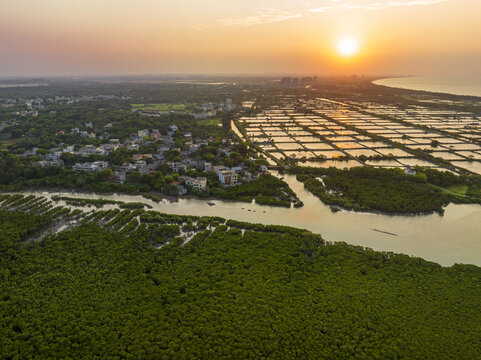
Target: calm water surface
<point>21,85</point>
<point>456,86</point>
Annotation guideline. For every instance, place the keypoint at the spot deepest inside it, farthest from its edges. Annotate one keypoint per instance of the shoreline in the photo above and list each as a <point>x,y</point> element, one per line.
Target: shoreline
<point>170,199</point>
<point>424,90</point>
<point>210,201</point>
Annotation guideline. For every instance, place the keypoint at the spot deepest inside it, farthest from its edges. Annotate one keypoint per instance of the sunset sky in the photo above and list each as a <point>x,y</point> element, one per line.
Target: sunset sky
<point>90,37</point>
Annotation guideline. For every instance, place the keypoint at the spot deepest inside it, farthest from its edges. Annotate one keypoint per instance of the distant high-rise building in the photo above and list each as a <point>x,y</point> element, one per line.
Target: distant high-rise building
<point>228,105</point>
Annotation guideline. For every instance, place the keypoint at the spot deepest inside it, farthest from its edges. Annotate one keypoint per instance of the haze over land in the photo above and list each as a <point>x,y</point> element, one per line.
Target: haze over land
<point>402,37</point>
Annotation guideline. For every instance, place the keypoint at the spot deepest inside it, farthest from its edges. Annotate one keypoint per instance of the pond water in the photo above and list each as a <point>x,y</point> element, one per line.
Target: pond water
<point>359,152</point>
<point>446,155</point>
<point>471,154</point>
<point>474,166</point>
<point>340,164</point>
<point>416,162</point>
<point>394,151</point>
<point>452,238</point>
<point>384,163</point>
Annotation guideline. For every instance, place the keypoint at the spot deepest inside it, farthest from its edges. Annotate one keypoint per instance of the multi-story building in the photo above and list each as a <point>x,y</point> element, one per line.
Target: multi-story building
<point>91,167</point>
<point>228,177</point>
<point>197,183</point>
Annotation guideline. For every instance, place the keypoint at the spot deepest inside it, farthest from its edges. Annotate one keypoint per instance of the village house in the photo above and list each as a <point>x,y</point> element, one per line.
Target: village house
<point>177,166</point>
<point>69,149</point>
<point>155,135</point>
<point>143,133</point>
<point>137,157</point>
<point>45,163</point>
<point>228,177</point>
<point>119,177</point>
<point>409,171</point>
<point>167,139</point>
<point>181,190</point>
<point>91,167</point>
<point>197,183</point>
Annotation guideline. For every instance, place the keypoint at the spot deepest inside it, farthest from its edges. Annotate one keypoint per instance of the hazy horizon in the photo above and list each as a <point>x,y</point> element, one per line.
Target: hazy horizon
<point>123,37</point>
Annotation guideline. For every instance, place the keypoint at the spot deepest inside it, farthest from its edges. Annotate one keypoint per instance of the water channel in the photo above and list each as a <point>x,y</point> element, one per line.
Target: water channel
<point>452,238</point>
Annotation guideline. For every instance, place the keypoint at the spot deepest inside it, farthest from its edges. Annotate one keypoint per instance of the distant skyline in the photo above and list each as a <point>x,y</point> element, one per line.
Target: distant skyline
<point>120,37</point>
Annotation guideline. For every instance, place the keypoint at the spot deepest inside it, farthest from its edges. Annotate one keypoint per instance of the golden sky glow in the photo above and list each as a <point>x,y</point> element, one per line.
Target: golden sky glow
<point>69,37</point>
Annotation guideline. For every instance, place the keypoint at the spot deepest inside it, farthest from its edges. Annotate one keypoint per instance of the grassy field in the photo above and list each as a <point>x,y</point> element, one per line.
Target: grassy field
<point>458,189</point>
<point>159,107</point>
<point>210,122</point>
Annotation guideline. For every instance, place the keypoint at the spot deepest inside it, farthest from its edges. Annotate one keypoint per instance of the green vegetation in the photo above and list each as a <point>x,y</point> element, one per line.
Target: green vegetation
<point>266,190</point>
<point>474,190</point>
<point>152,197</point>
<point>133,205</point>
<point>265,292</point>
<point>15,227</point>
<point>386,190</point>
<point>159,107</point>
<point>460,189</point>
<point>98,203</point>
<point>210,122</point>
<point>84,202</point>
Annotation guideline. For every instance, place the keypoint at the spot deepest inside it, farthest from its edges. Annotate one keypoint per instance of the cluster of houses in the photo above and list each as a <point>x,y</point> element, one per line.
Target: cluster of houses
<point>148,163</point>
<point>33,113</point>
<point>32,105</point>
<point>46,163</point>
<point>83,133</point>
<point>6,124</point>
<point>50,159</point>
<point>91,167</point>
<point>41,103</point>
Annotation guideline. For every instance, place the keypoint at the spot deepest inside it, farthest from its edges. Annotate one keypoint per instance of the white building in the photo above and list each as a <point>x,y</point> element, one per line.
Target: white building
<point>197,183</point>
<point>409,171</point>
<point>143,133</point>
<point>218,168</point>
<point>91,167</point>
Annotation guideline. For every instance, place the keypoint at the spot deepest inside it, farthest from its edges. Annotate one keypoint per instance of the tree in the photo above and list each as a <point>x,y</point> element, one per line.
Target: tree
<point>16,133</point>
<point>227,122</point>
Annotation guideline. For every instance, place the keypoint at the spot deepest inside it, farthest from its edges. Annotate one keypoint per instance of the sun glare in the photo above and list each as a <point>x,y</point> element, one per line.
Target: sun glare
<point>348,47</point>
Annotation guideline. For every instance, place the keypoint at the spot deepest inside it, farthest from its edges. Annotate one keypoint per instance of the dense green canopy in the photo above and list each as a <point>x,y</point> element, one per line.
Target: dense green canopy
<point>241,291</point>
<point>388,190</point>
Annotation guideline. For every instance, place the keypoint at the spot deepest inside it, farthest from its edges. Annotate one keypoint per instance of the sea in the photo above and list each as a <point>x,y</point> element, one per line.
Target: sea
<point>455,86</point>
<point>22,85</point>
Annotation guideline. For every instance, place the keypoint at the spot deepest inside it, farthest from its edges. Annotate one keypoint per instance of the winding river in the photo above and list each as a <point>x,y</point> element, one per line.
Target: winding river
<point>452,238</point>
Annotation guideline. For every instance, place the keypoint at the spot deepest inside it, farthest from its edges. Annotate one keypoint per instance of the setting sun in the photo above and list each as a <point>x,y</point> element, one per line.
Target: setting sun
<point>348,47</point>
